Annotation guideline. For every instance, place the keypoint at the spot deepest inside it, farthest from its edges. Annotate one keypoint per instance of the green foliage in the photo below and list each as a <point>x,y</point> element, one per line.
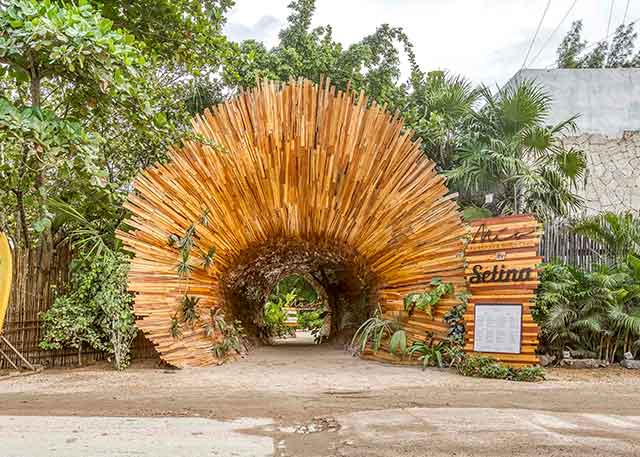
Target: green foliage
<point>190,309</point>
<point>485,367</point>
<point>232,337</point>
<point>455,319</point>
<point>428,354</point>
<point>59,60</point>
<point>511,153</point>
<point>311,320</point>
<point>304,291</point>
<point>175,329</point>
<point>425,301</point>
<point>440,109</point>
<point>96,311</point>
<point>398,343</point>
<point>275,317</point>
<point>376,330</point>
<point>372,64</point>
<point>472,212</point>
<point>618,52</point>
<point>595,314</point>
<point>618,233</point>
<point>186,32</point>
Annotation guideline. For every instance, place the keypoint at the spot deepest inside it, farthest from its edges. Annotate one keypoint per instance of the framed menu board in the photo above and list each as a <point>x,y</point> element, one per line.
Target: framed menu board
<point>498,328</point>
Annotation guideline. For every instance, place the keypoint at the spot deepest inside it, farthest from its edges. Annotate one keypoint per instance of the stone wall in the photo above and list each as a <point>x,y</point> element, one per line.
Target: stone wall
<point>614,171</point>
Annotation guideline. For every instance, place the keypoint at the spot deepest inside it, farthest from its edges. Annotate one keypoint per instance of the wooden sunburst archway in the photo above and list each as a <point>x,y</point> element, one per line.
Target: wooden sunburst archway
<point>296,177</point>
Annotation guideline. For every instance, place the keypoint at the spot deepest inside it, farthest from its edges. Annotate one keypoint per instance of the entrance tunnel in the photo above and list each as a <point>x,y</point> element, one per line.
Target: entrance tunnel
<point>294,178</point>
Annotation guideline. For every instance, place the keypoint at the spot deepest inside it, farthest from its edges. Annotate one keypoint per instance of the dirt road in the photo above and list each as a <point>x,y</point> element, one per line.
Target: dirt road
<point>319,401</point>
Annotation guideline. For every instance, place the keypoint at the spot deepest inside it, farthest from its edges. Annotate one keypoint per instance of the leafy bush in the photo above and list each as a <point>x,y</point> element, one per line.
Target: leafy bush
<point>312,321</point>
<point>425,301</point>
<point>445,353</point>
<point>455,319</point>
<point>592,313</point>
<point>275,317</point>
<point>97,310</point>
<point>485,367</point>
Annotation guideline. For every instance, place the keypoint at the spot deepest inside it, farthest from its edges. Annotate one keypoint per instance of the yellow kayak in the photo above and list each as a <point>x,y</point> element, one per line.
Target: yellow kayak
<point>5,277</point>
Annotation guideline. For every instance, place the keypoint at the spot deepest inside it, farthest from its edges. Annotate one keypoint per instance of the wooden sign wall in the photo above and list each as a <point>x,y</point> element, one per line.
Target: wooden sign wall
<point>502,276</point>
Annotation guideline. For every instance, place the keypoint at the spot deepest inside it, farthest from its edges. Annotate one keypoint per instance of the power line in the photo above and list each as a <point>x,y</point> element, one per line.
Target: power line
<point>536,34</point>
<point>626,10</point>
<point>564,18</point>
<point>610,16</point>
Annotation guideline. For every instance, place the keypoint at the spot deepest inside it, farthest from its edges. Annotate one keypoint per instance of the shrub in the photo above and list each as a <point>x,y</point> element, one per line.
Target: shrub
<point>96,311</point>
<point>486,367</point>
<point>377,329</point>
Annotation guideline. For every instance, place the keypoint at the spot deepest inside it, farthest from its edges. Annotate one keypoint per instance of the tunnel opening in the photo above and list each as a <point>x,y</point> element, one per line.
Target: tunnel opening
<point>328,282</point>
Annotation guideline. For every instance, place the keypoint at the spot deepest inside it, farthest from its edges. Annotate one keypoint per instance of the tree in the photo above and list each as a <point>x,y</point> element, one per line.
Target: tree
<point>618,233</point>
<point>510,153</point>
<point>55,57</point>
<point>440,109</point>
<point>372,64</point>
<point>605,54</point>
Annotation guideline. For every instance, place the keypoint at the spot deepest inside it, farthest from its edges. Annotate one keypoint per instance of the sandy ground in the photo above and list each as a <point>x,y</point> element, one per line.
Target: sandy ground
<point>320,401</point>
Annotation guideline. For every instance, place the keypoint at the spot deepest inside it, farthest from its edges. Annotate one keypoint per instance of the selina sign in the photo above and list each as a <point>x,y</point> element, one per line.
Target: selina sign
<point>481,274</point>
<point>501,274</point>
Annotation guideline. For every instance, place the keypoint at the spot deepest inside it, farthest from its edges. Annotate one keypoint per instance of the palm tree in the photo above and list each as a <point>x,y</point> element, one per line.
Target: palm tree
<point>618,233</point>
<point>595,314</point>
<point>510,153</point>
<point>438,110</point>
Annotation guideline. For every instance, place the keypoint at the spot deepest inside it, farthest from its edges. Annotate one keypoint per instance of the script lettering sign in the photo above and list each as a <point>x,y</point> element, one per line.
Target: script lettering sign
<point>502,275</point>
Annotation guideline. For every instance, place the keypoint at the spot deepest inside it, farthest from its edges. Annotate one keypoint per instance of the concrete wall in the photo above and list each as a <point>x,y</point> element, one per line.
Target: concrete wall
<point>608,102</point>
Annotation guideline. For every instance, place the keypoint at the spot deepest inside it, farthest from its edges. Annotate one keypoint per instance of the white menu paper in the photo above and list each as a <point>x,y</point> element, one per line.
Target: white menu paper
<point>497,328</point>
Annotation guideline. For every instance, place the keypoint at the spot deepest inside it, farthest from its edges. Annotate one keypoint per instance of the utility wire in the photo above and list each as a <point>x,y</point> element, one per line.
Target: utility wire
<point>536,34</point>
<point>610,16</point>
<point>564,18</point>
<point>626,10</point>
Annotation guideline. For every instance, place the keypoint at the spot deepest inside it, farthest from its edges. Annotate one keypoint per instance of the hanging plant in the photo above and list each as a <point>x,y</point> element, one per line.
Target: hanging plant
<point>425,301</point>
<point>190,308</point>
<point>176,329</point>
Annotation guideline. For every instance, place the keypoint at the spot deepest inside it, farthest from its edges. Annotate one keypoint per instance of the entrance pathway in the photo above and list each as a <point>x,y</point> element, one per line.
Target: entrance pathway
<point>316,401</point>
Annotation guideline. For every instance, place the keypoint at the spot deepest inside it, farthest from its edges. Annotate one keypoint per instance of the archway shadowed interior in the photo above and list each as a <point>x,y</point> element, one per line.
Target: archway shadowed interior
<point>295,177</point>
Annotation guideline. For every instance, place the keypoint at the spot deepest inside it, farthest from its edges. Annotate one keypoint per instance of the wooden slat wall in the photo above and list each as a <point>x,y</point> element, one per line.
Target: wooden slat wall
<point>300,162</point>
<point>522,252</point>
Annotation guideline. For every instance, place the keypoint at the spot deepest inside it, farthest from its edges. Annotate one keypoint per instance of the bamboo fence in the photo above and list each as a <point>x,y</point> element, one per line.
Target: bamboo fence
<point>33,291</point>
<point>560,243</point>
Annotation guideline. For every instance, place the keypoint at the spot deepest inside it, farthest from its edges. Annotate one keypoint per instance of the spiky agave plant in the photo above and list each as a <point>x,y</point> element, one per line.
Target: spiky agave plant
<point>208,257</point>
<point>376,329</point>
<point>190,308</point>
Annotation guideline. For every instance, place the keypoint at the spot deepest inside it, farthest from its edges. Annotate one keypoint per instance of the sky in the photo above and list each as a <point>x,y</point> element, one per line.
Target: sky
<point>484,40</point>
